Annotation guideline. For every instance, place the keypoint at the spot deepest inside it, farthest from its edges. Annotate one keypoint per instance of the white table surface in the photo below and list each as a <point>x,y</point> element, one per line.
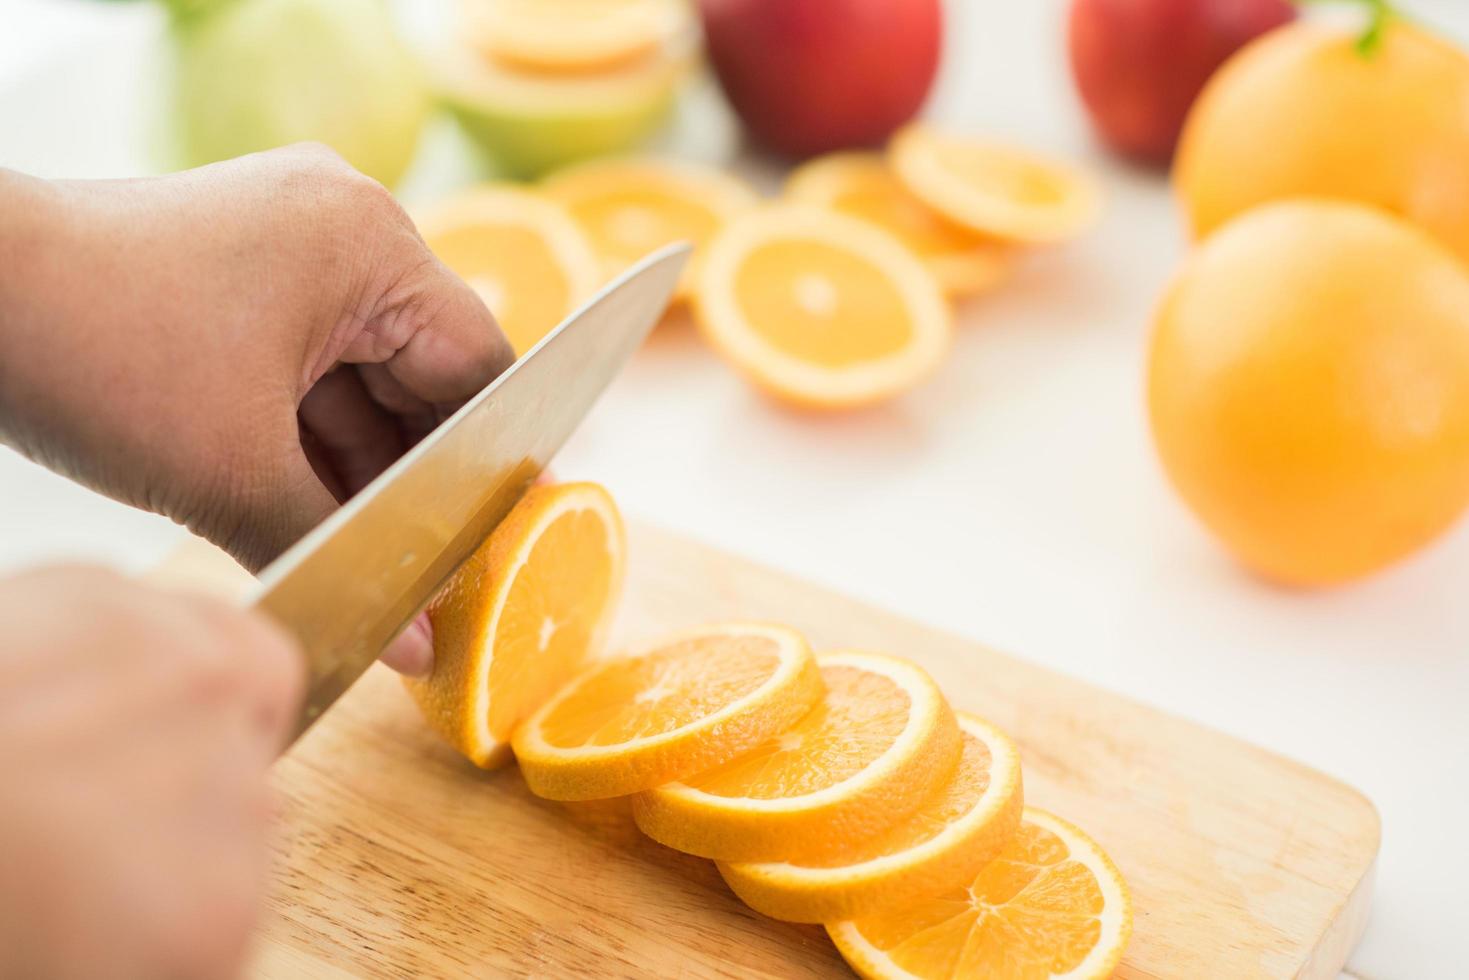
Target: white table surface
<point>1015,499</point>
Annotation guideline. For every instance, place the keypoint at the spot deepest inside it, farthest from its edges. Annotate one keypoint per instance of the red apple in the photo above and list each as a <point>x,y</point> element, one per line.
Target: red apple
<point>1139,64</point>
<point>808,76</point>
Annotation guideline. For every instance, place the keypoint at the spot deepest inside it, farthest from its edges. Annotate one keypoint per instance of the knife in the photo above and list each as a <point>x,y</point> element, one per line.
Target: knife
<point>348,587</point>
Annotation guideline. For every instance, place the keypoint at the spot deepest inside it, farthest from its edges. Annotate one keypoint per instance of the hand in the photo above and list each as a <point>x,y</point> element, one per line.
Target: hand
<point>240,347</point>
<point>135,732</point>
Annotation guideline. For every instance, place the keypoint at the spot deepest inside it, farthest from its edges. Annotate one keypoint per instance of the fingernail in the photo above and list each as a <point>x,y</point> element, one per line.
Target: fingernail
<point>412,653</point>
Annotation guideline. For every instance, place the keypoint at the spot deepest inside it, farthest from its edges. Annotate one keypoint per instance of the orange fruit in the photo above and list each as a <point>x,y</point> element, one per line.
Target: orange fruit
<point>1302,113</point>
<point>872,750</point>
<point>941,845</point>
<point>1308,386</point>
<point>525,256</point>
<point>819,308</point>
<point>1052,905</point>
<point>521,615</point>
<point>864,186</point>
<point>993,188</point>
<point>630,207</point>
<point>692,701</point>
<point>573,35</point>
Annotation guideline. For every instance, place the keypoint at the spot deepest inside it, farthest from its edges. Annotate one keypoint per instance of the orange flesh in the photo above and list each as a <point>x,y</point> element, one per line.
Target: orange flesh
<point>661,691</point>
<point>1031,913</point>
<point>860,717</point>
<point>1008,175</point>
<point>516,274</point>
<point>821,304</point>
<point>958,797</point>
<point>882,200</point>
<point>546,623</point>
<point>628,224</point>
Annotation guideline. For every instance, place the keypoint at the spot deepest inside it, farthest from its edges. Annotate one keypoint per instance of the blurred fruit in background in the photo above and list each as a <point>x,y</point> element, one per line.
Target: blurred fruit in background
<point>255,74</point>
<point>819,309</point>
<point>992,188</point>
<point>1308,386</point>
<point>539,84</point>
<point>863,185</point>
<point>811,76</point>
<point>630,207</point>
<point>1139,64</point>
<point>1308,111</point>
<point>525,255</point>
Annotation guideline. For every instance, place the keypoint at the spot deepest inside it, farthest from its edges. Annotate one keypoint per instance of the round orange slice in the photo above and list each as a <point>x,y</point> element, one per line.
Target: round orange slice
<point>630,207</point>
<point>994,188</point>
<point>873,749</point>
<point>864,186</point>
<point>820,308</point>
<point>693,701</point>
<point>1052,905</point>
<point>521,615</point>
<point>573,35</point>
<point>525,256</point>
<point>941,845</point>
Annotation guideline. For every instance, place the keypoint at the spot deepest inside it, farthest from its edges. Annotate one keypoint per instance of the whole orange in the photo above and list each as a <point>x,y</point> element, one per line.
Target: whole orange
<point>1308,387</point>
<point>1302,113</point>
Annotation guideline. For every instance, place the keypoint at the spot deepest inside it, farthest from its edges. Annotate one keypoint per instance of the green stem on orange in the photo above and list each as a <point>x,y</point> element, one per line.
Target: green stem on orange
<point>1379,14</point>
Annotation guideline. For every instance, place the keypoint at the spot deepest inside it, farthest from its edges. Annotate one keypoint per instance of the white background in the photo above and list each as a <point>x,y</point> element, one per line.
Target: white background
<point>1015,499</point>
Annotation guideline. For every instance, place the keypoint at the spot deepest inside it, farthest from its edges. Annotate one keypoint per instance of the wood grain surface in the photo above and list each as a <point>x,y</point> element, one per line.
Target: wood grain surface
<point>397,858</point>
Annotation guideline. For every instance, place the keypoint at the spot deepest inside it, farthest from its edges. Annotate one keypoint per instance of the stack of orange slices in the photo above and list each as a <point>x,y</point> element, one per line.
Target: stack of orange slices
<point>838,295</point>
<point>839,788</point>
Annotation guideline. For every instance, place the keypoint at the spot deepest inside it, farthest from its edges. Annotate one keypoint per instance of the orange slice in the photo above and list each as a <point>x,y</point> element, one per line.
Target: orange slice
<point>573,35</point>
<point>942,845</point>
<point>693,701</point>
<point>819,308</point>
<point>630,207</point>
<point>993,188</point>
<point>864,186</point>
<point>875,747</point>
<point>521,615</point>
<point>525,256</point>
<point>1051,905</point>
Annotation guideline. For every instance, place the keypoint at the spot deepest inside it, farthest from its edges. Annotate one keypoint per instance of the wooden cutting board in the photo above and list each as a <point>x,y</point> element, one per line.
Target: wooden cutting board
<point>398,858</point>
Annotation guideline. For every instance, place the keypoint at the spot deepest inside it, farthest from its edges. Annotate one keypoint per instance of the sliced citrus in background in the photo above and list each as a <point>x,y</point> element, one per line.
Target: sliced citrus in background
<point>941,845</point>
<point>864,186</point>
<point>1051,905</point>
<point>525,256</point>
<point>630,207</point>
<point>994,188</point>
<point>873,749</point>
<point>573,35</point>
<point>521,615</point>
<point>693,701</point>
<point>819,308</point>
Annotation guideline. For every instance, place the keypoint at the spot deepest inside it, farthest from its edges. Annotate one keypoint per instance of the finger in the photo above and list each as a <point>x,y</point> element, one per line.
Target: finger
<point>354,436</point>
<point>415,417</point>
<point>452,346</point>
<point>412,652</point>
<point>290,501</point>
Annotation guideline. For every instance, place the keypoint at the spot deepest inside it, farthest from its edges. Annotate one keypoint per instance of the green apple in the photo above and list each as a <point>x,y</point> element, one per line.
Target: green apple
<point>254,74</point>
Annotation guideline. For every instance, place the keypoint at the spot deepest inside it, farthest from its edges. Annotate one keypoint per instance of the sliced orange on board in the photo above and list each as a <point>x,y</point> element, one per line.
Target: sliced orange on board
<point>994,188</point>
<point>573,35</point>
<point>630,207</point>
<point>879,742</point>
<point>520,617</point>
<point>941,845</point>
<point>965,262</point>
<point>819,308</point>
<point>1052,905</point>
<point>525,256</point>
<point>693,701</point>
